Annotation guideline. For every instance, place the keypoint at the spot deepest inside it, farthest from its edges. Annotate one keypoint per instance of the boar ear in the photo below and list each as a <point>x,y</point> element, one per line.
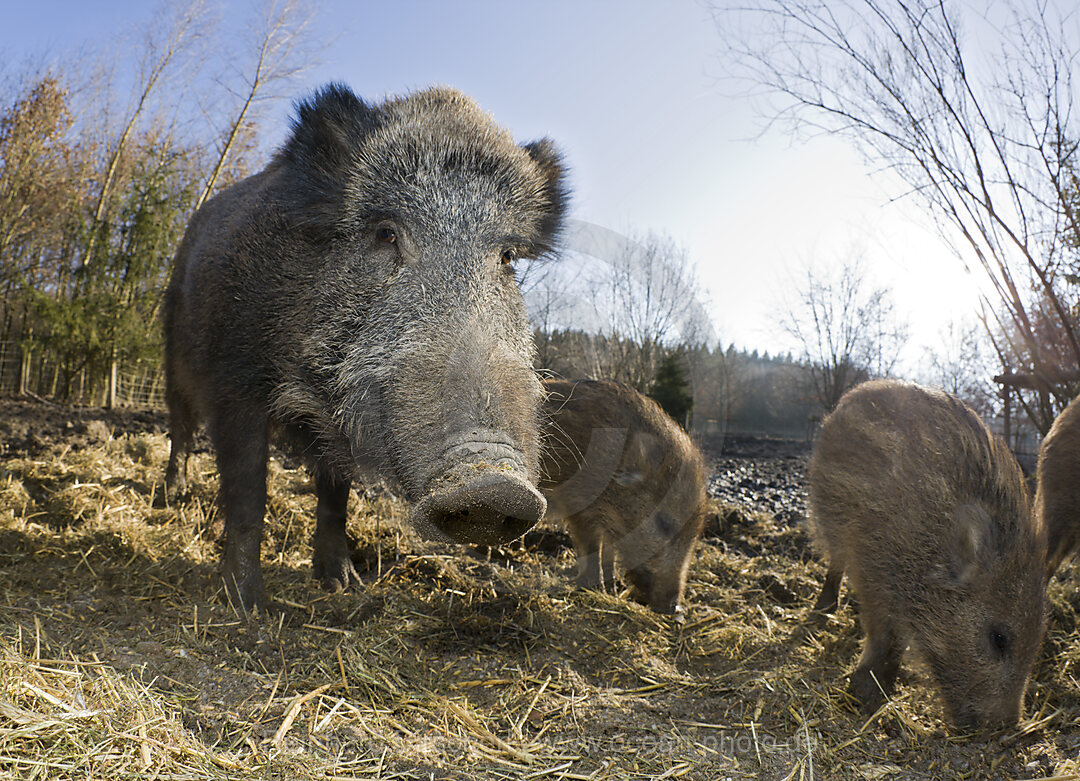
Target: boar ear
<point>557,192</point>
<point>326,131</point>
<point>327,127</point>
<point>968,543</point>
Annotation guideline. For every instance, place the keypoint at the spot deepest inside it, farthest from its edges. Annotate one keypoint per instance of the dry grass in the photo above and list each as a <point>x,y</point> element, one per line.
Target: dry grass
<point>118,658</point>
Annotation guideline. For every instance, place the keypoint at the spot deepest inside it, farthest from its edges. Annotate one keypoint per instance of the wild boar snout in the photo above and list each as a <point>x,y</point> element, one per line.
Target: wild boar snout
<point>479,503</point>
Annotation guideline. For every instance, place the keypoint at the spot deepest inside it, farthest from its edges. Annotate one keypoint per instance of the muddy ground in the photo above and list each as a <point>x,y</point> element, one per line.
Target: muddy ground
<point>119,659</point>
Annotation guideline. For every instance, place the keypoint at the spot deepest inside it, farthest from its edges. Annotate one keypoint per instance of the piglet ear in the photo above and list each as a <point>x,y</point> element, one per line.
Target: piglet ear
<point>968,543</point>
<point>548,158</point>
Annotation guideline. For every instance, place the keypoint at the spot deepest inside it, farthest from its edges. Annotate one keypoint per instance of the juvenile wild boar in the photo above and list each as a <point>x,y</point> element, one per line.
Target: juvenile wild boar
<point>1057,497</point>
<point>356,300</point>
<point>625,478</point>
<point>928,514</point>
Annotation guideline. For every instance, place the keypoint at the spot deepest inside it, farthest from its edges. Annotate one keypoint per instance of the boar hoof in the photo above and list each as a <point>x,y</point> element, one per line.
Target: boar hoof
<point>245,596</point>
<point>676,613</point>
<point>331,559</point>
<point>590,579</point>
<point>335,571</point>
<point>865,688</point>
<point>174,493</point>
<point>829,599</point>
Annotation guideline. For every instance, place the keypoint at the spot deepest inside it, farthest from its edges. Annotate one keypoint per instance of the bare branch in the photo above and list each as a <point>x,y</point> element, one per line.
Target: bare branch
<point>991,151</point>
<point>846,330</point>
<point>177,27</point>
<point>278,57</point>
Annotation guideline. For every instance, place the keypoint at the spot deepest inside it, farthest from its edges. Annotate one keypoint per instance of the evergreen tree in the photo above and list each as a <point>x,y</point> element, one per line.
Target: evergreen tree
<point>671,390</point>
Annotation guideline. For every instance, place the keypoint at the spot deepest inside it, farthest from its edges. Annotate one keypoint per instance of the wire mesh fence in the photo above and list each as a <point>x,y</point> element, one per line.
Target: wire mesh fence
<point>37,372</point>
<point>10,362</point>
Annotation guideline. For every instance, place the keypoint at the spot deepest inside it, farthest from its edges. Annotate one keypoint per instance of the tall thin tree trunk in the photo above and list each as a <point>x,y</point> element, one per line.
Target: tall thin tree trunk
<point>1006,398</point>
<point>110,398</point>
<point>25,363</point>
<point>283,27</point>
<point>177,38</point>
<point>233,133</point>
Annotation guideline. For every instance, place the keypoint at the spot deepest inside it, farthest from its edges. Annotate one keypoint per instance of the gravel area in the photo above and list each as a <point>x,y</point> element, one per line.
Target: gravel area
<point>761,475</point>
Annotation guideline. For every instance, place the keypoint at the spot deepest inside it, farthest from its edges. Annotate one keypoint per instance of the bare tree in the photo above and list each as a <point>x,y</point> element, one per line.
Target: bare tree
<point>170,34</point>
<point>634,298</point>
<point>279,54</point>
<point>95,190</point>
<point>973,110</point>
<point>847,330</point>
<point>34,151</point>
<point>40,183</point>
<point>644,299</point>
<point>1032,385</point>
<point>549,300</point>
<point>962,363</point>
<point>716,385</point>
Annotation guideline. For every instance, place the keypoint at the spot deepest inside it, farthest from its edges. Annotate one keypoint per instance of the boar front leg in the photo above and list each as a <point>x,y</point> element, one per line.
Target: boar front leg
<point>240,434</point>
<point>595,554</point>
<point>607,564</point>
<point>829,598</point>
<point>331,563</point>
<point>875,677</point>
<point>587,543</point>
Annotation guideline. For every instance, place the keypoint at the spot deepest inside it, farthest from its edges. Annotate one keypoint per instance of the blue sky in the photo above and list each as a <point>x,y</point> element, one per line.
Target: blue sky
<point>633,92</point>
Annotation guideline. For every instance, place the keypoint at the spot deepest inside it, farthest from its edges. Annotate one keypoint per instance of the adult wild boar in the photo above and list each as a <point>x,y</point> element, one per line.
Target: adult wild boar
<point>1057,496</point>
<point>356,300</point>
<point>928,514</point>
<point>625,478</point>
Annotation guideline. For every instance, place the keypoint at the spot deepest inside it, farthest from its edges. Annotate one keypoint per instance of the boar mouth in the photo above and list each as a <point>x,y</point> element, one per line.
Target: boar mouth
<point>479,505</point>
<point>971,718</point>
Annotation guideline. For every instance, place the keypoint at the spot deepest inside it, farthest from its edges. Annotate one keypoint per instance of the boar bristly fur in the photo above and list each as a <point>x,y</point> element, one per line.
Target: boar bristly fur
<point>356,300</point>
<point>1057,496</point>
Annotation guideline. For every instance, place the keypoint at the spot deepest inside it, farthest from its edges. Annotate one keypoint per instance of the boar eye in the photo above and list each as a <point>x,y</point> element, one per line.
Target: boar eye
<point>508,256</point>
<point>999,641</point>
<point>386,234</point>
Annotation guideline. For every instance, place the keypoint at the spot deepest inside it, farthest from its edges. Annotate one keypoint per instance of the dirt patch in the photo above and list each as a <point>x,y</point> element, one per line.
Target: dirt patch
<point>31,428</point>
<point>119,659</point>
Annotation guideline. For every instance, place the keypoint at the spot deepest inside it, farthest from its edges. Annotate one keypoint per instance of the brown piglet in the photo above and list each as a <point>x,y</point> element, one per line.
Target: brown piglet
<point>1057,498</point>
<point>625,478</point>
<point>927,513</point>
